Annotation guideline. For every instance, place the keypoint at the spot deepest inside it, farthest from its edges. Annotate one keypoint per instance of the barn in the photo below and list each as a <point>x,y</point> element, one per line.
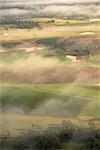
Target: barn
<point>79,55</point>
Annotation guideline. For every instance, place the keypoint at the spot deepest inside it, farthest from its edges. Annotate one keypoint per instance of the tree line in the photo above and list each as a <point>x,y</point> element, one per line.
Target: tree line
<point>20,23</point>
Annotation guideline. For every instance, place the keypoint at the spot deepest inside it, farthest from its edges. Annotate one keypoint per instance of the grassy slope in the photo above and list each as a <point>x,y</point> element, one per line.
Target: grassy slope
<point>71,100</point>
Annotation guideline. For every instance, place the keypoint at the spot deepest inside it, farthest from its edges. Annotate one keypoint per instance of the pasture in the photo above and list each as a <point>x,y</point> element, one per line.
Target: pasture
<point>47,104</point>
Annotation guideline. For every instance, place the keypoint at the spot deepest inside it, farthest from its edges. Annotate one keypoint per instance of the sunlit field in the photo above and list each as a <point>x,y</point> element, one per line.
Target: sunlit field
<point>49,31</point>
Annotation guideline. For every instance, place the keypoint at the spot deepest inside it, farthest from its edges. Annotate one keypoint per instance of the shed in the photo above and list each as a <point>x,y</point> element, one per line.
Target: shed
<point>79,55</point>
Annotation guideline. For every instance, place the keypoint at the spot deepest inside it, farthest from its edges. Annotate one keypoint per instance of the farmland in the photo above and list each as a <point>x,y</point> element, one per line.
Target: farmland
<point>54,87</point>
<point>48,31</point>
<point>49,75</point>
<point>44,87</point>
<point>48,101</point>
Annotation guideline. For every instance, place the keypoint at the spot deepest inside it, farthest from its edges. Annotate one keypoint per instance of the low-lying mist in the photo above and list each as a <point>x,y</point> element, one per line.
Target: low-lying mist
<point>37,69</point>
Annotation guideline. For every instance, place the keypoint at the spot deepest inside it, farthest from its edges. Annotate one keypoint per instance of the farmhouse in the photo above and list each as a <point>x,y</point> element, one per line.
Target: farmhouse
<point>77,56</point>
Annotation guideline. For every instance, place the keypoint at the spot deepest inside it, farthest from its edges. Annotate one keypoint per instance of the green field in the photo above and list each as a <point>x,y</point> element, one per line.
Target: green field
<point>71,100</point>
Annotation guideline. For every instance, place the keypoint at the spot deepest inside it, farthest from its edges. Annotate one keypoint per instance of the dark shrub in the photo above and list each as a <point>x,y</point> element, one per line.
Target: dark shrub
<point>47,142</point>
<point>53,137</point>
<point>93,141</point>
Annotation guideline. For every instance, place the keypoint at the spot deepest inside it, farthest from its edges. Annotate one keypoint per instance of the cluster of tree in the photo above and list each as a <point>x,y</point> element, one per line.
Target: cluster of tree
<point>53,138</point>
<point>20,23</point>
